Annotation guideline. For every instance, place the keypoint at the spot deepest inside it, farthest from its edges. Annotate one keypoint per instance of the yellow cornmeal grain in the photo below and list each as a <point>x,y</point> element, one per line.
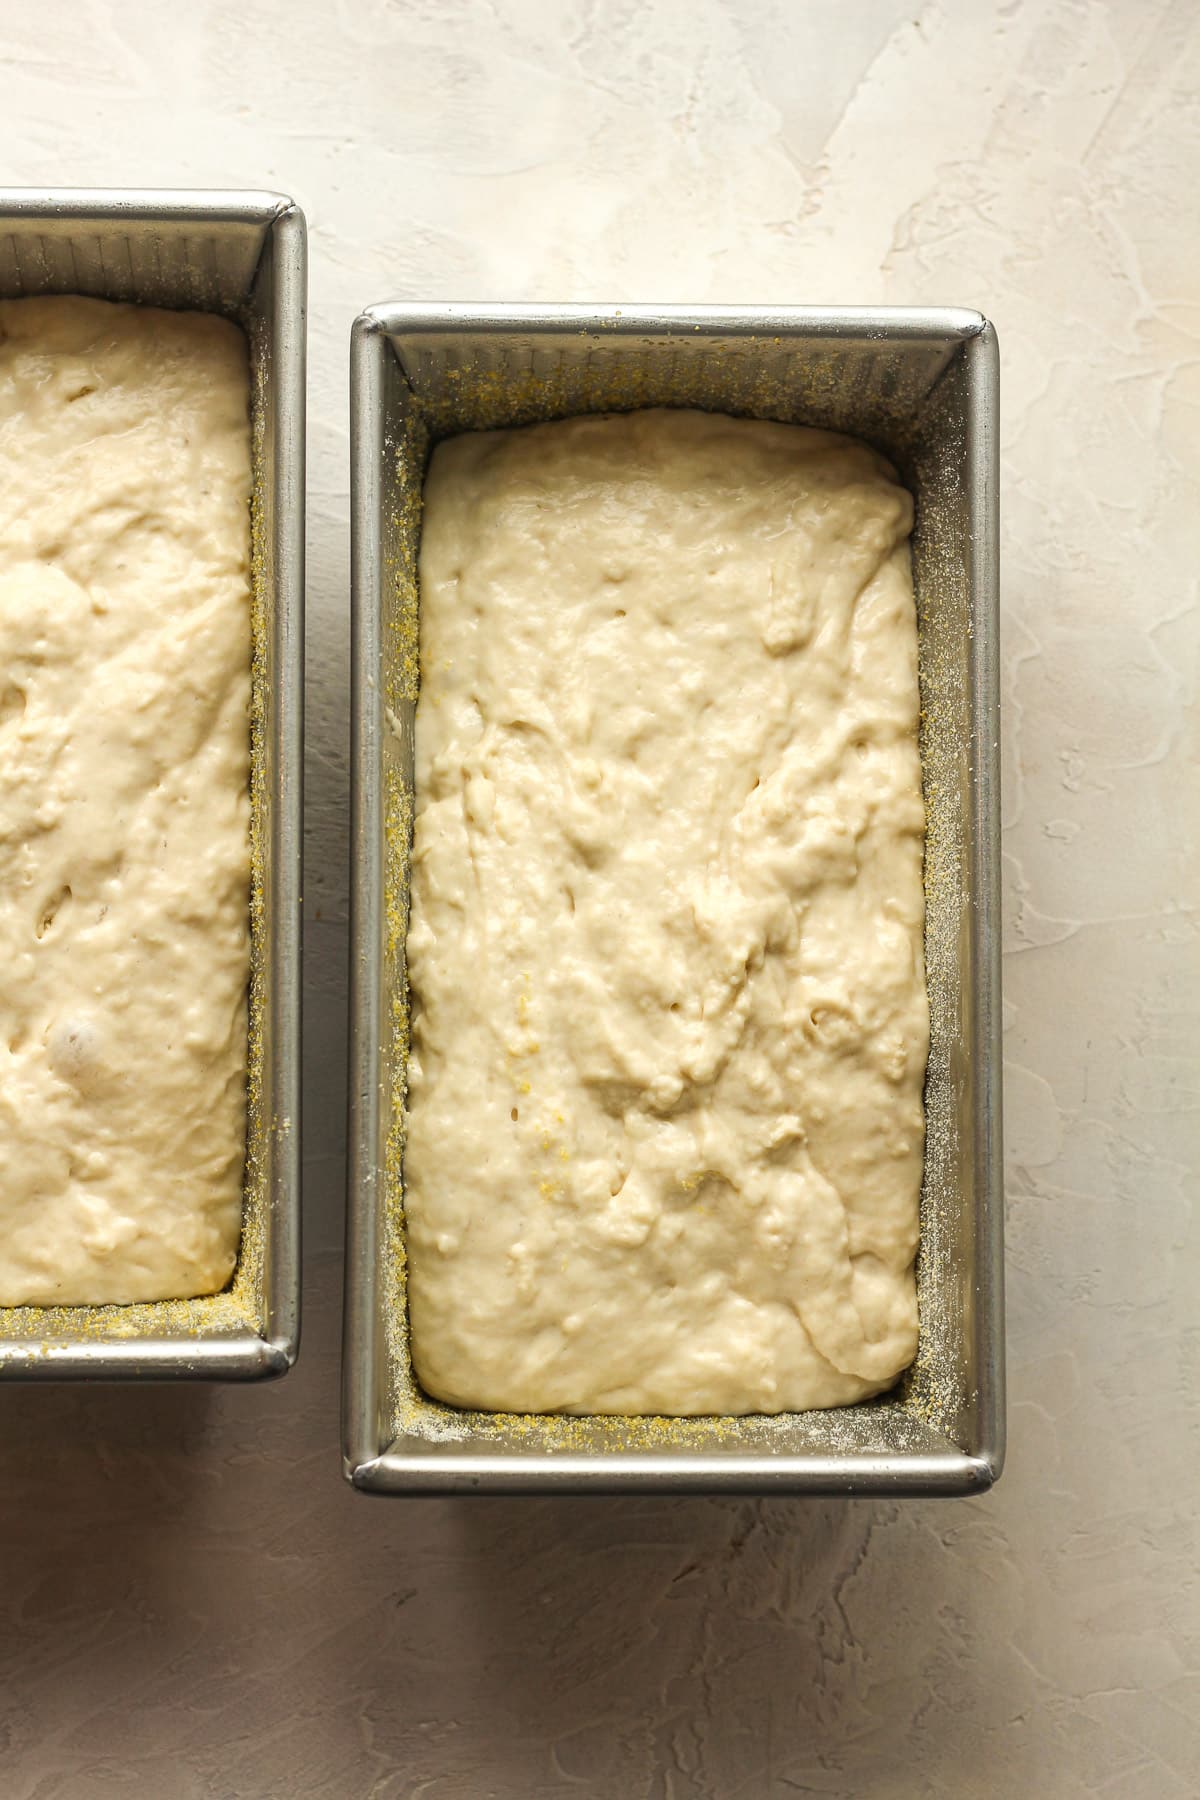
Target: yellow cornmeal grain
<point>482,398</point>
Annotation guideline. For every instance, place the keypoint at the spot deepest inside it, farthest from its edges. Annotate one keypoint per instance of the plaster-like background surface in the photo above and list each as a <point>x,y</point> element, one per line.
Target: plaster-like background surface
<point>193,1605</point>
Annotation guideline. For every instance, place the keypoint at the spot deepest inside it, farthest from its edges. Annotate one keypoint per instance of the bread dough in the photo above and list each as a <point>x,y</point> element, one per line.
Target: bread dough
<point>665,1127</point>
<point>124,756</point>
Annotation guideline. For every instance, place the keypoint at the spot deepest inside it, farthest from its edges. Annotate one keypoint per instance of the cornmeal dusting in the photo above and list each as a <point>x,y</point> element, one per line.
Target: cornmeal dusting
<point>665,1131</point>
<point>124,806</point>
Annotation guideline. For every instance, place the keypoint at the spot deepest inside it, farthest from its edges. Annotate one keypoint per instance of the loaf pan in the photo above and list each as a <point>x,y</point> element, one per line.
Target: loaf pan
<point>242,254</point>
<point>921,385</point>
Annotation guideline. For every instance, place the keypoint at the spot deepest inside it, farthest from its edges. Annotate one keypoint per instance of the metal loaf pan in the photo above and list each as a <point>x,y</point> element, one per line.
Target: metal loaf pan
<point>922,386</point>
<point>243,254</point>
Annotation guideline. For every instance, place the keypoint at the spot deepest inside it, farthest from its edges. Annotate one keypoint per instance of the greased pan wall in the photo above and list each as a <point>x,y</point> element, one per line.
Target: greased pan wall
<point>922,386</point>
<point>243,254</point>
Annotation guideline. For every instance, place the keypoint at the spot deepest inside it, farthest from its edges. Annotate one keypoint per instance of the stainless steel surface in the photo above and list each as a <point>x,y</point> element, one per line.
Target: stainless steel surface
<point>241,253</point>
<point>922,384</point>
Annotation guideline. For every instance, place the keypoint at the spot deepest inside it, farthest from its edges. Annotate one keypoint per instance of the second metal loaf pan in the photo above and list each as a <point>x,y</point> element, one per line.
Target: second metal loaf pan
<point>243,254</point>
<point>922,386</point>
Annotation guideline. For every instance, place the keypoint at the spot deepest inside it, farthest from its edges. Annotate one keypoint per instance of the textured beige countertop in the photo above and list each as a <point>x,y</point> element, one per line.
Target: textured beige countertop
<point>193,1606</point>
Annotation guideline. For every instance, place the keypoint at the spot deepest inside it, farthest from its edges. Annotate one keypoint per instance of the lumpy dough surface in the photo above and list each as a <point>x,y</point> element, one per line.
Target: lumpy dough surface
<point>124,759</point>
<point>665,1127</point>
